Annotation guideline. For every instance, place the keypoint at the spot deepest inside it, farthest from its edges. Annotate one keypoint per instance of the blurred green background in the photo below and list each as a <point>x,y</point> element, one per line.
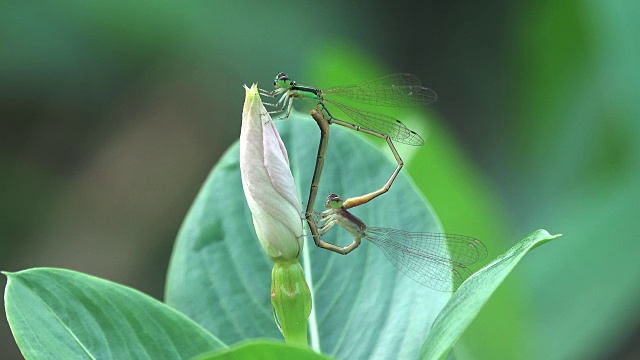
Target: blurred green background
<point>112,114</point>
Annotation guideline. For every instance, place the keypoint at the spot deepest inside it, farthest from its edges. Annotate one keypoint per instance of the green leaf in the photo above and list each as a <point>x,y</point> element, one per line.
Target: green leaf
<point>467,302</point>
<point>263,350</point>
<point>363,307</point>
<point>62,314</point>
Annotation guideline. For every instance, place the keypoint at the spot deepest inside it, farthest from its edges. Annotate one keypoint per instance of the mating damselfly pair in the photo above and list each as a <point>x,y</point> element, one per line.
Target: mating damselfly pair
<point>436,260</point>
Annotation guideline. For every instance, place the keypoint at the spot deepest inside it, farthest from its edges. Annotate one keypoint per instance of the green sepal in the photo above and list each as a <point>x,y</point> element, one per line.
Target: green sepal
<point>291,300</point>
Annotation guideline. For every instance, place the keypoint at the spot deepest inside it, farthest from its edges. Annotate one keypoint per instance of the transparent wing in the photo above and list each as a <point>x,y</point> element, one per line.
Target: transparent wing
<point>390,90</point>
<point>437,261</point>
<point>383,124</point>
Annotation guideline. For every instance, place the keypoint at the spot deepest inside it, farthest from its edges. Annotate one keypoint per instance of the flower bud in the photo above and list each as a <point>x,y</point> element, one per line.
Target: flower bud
<point>273,199</point>
<point>268,183</point>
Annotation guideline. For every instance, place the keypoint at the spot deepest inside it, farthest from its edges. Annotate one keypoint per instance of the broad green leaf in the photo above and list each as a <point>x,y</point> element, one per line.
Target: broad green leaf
<point>263,350</point>
<point>362,308</point>
<point>62,314</point>
<point>467,302</point>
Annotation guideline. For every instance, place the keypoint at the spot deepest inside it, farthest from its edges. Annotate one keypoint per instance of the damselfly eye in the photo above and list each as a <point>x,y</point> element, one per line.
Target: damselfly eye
<point>282,76</point>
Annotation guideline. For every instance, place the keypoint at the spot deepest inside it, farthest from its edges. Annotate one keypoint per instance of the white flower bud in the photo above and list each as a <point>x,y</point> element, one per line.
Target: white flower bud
<point>268,183</point>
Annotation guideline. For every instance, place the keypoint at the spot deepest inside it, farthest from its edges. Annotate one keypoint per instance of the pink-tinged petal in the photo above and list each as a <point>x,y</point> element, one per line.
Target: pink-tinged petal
<point>268,183</point>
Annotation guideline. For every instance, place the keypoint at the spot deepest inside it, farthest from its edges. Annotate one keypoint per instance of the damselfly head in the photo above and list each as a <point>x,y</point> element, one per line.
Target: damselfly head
<point>282,80</point>
<point>334,201</point>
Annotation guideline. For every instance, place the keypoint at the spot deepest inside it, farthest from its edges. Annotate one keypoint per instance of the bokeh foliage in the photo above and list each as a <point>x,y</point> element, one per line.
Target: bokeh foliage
<point>113,114</point>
